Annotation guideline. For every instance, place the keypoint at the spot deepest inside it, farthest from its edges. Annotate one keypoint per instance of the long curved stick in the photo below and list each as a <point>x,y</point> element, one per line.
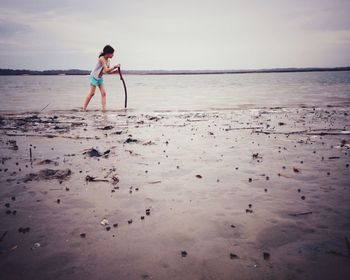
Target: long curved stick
<point>125,91</point>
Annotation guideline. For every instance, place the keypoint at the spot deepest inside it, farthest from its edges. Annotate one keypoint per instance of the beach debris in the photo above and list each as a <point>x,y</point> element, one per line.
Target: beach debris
<point>115,180</point>
<point>24,230</point>
<point>283,175</point>
<point>154,182</point>
<point>48,174</point>
<point>148,143</point>
<point>300,214</point>
<point>35,246</point>
<point>129,221</point>
<point>58,201</point>
<point>148,211</point>
<point>296,170</point>
<point>248,211</point>
<point>13,144</point>
<point>104,222</point>
<point>89,178</point>
<point>115,225</point>
<point>3,235</point>
<point>48,161</point>
<point>183,254</point>
<point>303,197</point>
<point>142,217</point>
<point>250,180</point>
<point>199,176</point>
<point>233,256</point>
<point>154,118</point>
<point>130,140</point>
<point>107,127</point>
<point>95,153</point>
<point>83,235</point>
<point>256,156</point>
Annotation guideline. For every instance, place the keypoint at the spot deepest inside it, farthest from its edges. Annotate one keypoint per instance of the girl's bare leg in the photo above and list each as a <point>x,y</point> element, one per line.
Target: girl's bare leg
<point>103,97</point>
<point>88,98</point>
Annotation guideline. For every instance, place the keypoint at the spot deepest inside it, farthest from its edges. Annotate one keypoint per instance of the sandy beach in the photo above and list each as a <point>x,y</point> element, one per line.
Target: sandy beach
<point>210,194</point>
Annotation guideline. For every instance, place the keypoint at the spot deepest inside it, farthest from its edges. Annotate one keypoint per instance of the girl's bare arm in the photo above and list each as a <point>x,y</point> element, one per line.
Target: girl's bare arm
<point>106,69</point>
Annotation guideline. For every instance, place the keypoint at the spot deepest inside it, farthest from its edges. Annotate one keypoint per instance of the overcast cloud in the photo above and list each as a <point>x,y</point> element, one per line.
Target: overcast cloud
<point>182,34</point>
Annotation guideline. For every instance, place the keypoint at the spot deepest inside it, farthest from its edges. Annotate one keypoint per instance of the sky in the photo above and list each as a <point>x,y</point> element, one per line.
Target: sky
<point>175,35</point>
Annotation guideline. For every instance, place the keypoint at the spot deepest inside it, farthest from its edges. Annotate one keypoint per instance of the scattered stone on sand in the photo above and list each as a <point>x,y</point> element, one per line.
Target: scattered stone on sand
<point>233,256</point>
<point>48,174</point>
<point>296,170</point>
<point>183,254</point>
<point>95,153</point>
<point>104,222</point>
<point>83,235</point>
<point>266,255</point>
<point>199,176</point>
<point>129,221</point>
<point>130,140</point>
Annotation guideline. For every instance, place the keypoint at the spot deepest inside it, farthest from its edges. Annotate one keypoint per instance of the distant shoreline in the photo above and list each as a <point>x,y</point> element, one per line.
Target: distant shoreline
<point>24,72</point>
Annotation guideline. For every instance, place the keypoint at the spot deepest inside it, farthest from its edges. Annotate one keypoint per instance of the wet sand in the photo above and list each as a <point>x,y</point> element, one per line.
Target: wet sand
<point>220,194</point>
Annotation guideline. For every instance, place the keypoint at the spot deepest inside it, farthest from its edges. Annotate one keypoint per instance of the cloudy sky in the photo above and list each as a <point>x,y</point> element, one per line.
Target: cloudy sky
<point>182,34</point>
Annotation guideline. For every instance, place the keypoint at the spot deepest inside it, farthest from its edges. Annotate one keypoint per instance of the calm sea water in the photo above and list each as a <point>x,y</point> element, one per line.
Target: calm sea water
<point>179,92</point>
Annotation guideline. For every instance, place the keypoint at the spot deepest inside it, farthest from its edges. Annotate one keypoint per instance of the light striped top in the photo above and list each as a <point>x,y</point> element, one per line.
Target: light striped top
<point>97,72</point>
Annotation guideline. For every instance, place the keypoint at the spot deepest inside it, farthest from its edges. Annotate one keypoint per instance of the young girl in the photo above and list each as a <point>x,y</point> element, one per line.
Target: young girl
<point>96,79</point>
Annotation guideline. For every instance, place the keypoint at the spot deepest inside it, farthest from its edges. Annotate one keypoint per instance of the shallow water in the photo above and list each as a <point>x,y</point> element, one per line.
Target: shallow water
<point>179,92</point>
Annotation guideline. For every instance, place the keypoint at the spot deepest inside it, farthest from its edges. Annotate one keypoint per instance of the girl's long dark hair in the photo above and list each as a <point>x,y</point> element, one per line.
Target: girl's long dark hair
<point>107,49</point>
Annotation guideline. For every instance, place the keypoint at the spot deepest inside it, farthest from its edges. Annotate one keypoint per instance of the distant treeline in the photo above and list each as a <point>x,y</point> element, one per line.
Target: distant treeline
<point>10,72</point>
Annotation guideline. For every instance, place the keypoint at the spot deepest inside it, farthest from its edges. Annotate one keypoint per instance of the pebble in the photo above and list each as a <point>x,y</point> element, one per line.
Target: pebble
<point>183,254</point>
<point>233,256</point>
<point>266,255</point>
